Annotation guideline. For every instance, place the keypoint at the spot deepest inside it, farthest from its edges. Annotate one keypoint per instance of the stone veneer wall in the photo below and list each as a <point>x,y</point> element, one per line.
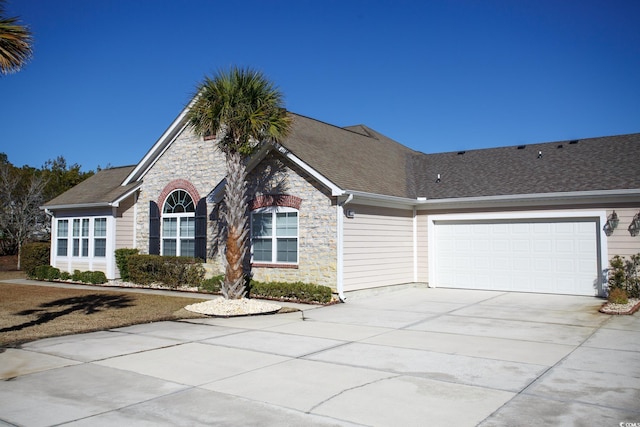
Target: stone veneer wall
<point>317,231</point>
<point>189,158</point>
<point>198,162</point>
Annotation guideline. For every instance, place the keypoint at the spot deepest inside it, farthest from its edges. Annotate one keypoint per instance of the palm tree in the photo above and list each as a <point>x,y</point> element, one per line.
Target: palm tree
<point>242,109</point>
<point>15,43</point>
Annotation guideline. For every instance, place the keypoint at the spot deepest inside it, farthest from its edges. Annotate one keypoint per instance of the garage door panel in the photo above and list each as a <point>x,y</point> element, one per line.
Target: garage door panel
<point>551,256</point>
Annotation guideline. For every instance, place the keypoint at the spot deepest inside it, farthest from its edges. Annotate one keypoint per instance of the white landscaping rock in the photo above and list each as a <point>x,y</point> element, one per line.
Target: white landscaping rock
<point>233,307</point>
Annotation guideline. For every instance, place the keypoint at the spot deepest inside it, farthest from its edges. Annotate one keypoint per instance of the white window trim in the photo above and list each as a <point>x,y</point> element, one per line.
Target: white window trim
<point>90,260</point>
<point>178,238</point>
<point>274,247</point>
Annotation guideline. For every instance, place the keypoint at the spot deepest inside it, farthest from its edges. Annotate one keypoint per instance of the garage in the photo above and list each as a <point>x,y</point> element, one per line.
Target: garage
<point>545,255</point>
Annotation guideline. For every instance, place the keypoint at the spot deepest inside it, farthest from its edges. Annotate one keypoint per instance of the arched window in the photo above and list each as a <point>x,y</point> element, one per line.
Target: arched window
<point>178,225</point>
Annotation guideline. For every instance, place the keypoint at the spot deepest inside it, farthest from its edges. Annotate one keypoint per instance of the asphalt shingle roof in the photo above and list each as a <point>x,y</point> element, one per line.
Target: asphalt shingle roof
<point>357,158</point>
<point>360,159</point>
<point>103,187</point>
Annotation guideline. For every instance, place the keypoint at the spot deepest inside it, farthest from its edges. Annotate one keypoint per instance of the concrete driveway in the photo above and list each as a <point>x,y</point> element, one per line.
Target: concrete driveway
<point>414,356</point>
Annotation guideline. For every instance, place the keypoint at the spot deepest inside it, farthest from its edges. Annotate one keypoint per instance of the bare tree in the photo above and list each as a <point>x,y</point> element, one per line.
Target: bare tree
<point>20,215</point>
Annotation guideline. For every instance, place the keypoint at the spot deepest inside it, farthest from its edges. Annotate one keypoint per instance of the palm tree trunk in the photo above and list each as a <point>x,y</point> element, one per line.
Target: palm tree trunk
<point>234,215</point>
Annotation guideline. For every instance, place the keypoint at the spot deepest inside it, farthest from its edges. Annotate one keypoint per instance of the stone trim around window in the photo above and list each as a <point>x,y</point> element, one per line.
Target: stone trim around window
<point>269,265</point>
<point>284,200</point>
<point>178,184</point>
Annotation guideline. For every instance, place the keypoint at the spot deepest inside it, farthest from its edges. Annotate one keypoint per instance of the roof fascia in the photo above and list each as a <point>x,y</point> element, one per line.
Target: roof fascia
<point>126,195</point>
<point>550,199</point>
<point>80,206</point>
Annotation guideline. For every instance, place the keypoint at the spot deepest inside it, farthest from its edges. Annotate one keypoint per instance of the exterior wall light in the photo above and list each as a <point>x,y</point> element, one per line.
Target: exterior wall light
<point>612,223</point>
<point>634,227</point>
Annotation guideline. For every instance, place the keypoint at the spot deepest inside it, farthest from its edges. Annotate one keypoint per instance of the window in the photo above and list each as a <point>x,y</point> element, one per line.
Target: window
<point>274,235</point>
<point>178,225</point>
<point>63,234</point>
<point>100,237</point>
<point>80,237</point>
<point>82,240</point>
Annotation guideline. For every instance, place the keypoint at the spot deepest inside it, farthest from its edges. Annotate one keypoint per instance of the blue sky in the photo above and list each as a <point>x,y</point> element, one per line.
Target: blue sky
<point>109,76</point>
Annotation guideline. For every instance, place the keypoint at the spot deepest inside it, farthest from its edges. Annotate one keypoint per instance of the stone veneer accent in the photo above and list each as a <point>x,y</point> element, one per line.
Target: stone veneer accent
<point>189,160</point>
<point>195,165</point>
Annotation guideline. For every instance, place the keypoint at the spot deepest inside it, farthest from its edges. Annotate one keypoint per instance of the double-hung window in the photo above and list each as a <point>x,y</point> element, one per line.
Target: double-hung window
<point>80,237</point>
<point>178,225</point>
<point>63,235</point>
<point>100,237</point>
<point>274,235</point>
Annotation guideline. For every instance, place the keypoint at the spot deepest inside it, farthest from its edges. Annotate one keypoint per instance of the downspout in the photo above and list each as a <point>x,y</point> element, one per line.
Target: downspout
<point>51,238</point>
<point>340,241</point>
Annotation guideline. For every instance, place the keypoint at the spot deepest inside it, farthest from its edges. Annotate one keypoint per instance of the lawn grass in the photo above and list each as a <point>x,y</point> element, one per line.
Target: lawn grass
<point>31,312</point>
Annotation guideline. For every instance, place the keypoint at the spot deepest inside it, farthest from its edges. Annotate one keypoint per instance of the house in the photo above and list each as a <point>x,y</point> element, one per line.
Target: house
<point>351,208</point>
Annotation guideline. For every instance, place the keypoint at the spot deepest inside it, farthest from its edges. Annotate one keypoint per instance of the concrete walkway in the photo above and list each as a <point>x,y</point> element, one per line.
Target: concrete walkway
<point>415,356</point>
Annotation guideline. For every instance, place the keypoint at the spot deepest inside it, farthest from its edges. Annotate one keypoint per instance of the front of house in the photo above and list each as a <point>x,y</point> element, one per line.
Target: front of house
<point>351,209</point>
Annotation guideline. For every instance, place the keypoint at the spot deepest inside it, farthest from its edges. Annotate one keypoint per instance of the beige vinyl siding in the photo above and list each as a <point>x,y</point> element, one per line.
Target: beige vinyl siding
<point>620,242</point>
<point>378,247</point>
<point>125,223</point>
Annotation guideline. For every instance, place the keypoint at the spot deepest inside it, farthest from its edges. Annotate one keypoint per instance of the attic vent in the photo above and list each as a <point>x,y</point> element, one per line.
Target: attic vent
<point>521,147</point>
<point>575,141</point>
<point>559,146</point>
<point>460,153</point>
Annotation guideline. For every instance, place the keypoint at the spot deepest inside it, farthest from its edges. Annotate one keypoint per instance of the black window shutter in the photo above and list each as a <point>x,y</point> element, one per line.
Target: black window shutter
<point>154,228</point>
<point>201,229</point>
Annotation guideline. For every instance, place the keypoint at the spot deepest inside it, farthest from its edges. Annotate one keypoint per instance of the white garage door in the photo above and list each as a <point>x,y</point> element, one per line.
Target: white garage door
<point>547,256</point>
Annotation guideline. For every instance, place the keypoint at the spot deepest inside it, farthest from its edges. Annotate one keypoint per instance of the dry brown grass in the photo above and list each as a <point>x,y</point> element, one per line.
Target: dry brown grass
<point>30,312</point>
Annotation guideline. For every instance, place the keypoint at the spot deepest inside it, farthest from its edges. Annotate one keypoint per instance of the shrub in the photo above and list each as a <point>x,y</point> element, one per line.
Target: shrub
<point>46,272</point>
<point>212,284</point>
<point>169,270</point>
<point>122,261</point>
<point>618,296</point>
<point>625,274</point>
<point>93,277</point>
<point>303,292</point>
<point>33,255</point>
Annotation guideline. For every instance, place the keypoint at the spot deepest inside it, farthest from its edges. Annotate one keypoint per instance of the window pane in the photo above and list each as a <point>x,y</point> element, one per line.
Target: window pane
<point>261,225</point>
<point>262,250</point>
<point>62,247</point>
<point>169,247</point>
<point>76,227</point>
<point>187,227</point>
<point>187,247</point>
<point>100,248</point>
<point>63,229</point>
<point>178,202</point>
<point>85,247</point>
<point>76,247</point>
<point>169,227</point>
<point>287,224</point>
<point>85,227</point>
<point>100,227</point>
<point>287,250</point>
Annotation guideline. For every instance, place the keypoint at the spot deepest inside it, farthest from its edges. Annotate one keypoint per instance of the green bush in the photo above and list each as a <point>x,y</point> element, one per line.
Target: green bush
<point>46,272</point>
<point>33,255</point>
<point>122,261</point>
<point>298,291</point>
<point>168,270</point>
<point>625,274</point>
<point>93,277</point>
<point>212,284</point>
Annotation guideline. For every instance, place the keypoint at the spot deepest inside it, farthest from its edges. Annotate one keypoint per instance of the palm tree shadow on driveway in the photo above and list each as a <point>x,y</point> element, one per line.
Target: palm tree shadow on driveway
<point>87,304</point>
